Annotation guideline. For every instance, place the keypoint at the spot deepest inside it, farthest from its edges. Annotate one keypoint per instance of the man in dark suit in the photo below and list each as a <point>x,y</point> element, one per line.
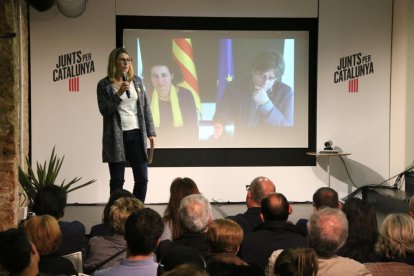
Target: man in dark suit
<point>196,215</point>
<point>323,197</point>
<point>256,191</point>
<point>274,233</point>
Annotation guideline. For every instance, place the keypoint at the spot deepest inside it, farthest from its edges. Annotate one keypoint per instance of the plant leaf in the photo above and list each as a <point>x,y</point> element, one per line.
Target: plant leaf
<point>82,185</point>
<point>46,174</point>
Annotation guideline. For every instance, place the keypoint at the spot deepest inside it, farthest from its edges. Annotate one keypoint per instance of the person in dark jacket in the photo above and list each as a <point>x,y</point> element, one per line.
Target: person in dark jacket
<point>323,197</point>
<point>275,232</point>
<point>259,100</point>
<point>51,200</point>
<point>256,191</point>
<point>127,123</point>
<point>195,216</point>
<point>104,228</point>
<point>18,255</point>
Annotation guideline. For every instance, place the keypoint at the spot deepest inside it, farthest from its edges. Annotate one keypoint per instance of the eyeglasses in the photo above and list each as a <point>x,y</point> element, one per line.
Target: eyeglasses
<point>264,76</point>
<point>248,188</point>
<point>125,60</point>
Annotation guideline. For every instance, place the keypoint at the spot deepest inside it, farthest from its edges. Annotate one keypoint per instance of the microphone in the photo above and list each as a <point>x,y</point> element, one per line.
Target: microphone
<point>125,78</point>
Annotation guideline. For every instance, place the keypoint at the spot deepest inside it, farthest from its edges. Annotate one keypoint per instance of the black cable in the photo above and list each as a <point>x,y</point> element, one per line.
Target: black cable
<point>397,185</point>
<point>347,172</point>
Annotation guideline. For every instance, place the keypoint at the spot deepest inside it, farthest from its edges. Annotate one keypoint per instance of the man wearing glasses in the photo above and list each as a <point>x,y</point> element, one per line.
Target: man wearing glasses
<point>258,189</point>
<point>262,100</point>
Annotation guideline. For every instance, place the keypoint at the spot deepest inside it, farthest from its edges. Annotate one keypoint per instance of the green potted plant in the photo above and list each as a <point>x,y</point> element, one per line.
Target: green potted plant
<point>46,174</point>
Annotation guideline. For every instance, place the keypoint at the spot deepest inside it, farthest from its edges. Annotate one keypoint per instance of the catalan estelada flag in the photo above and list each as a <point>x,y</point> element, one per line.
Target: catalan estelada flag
<point>183,54</point>
<point>225,67</point>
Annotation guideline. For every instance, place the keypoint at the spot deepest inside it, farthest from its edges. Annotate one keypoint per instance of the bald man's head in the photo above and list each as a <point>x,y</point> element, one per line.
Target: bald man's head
<point>275,207</point>
<point>259,188</point>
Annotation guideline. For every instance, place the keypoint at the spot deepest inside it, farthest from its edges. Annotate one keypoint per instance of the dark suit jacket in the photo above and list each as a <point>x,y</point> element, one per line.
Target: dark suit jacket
<point>269,236</point>
<point>249,220</point>
<point>73,237</point>
<point>56,265</point>
<point>102,229</point>
<point>301,225</point>
<point>198,241</point>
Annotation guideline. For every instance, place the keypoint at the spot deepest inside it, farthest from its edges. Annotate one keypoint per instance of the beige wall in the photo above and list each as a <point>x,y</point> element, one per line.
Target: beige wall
<point>357,123</point>
<point>402,87</point>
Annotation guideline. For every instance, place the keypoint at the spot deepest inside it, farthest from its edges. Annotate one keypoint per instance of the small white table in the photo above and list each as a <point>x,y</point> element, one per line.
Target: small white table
<point>328,155</point>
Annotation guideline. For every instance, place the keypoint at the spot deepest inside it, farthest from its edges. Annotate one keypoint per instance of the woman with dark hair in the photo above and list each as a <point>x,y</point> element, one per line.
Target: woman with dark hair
<point>127,123</point>
<point>180,188</point>
<point>173,107</point>
<point>104,228</point>
<point>362,231</point>
<point>18,255</point>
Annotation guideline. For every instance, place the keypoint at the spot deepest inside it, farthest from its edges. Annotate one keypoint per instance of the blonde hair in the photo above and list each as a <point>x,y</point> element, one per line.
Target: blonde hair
<point>112,64</point>
<point>120,211</point>
<point>44,232</point>
<point>396,236</point>
<point>224,235</point>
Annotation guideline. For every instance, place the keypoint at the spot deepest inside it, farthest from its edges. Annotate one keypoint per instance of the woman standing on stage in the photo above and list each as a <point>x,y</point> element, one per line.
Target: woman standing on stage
<point>127,123</point>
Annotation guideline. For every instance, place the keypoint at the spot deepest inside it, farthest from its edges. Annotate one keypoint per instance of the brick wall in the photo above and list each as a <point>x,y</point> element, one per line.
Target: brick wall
<point>10,107</point>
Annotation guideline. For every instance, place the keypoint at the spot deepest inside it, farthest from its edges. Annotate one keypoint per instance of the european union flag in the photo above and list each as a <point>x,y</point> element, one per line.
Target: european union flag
<point>225,67</point>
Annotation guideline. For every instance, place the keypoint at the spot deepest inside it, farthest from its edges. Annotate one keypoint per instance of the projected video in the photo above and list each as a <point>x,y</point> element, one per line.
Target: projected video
<point>224,89</point>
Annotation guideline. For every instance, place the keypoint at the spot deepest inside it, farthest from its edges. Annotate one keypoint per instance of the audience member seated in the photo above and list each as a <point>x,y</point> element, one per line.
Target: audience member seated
<point>296,262</point>
<point>104,228</point>
<point>44,232</point>
<point>323,197</point>
<point>51,200</point>
<point>362,231</point>
<point>186,269</point>
<point>180,188</point>
<point>18,256</point>
<point>224,237</point>
<point>195,216</point>
<point>327,233</point>
<point>178,255</point>
<point>275,232</point>
<point>256,191</point>
<point>396,239</point>
<point>143,230</point>
<point>411,207</point>
<point>110,250</point>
